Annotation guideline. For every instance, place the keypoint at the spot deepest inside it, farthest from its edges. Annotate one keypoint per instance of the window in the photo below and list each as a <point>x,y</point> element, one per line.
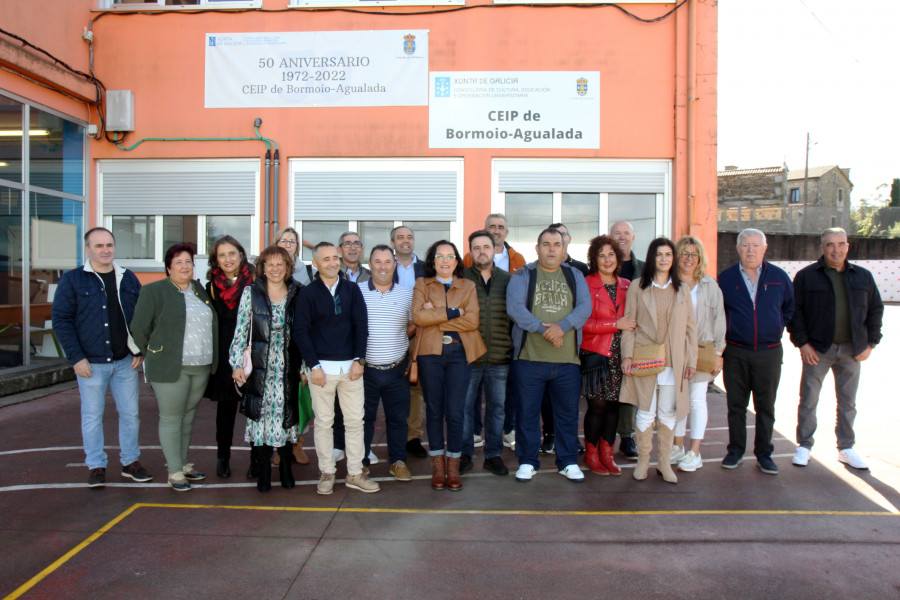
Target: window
<point>795,195</point>
<point>840,199</point>
<point>174,4</point>
<point>588,196</point>
<point>151,204</point>
<point>372,196</point>
<point>306,3</point>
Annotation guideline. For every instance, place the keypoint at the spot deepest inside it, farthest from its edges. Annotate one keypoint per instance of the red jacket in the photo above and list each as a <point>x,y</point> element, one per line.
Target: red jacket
<point>598,332</point>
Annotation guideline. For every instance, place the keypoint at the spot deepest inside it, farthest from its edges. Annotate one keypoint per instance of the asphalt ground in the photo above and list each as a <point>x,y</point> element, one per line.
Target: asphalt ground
<point>824,531</point>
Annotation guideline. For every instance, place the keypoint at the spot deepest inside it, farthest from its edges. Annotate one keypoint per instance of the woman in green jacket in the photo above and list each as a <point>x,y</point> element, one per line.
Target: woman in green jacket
<point>176,329</point>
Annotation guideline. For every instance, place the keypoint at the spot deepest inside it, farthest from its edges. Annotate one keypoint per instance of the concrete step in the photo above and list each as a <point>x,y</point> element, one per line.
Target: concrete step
<point>44,373</point>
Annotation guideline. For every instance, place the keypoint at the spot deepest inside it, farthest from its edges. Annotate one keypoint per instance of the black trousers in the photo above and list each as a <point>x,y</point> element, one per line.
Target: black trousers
<point>757,372</point>
<point>226,412</point>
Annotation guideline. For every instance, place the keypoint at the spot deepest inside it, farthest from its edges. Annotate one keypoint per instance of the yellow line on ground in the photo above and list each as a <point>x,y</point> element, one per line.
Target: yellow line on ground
<point>413,511</point>
<point>65,557</point>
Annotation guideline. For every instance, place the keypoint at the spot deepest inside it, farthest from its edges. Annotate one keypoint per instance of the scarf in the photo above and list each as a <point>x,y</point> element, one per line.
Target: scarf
<point>229,292</point>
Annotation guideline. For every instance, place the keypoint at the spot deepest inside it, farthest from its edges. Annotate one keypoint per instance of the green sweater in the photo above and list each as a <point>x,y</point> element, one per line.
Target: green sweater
<point>494,324</point>
<point>158,329</point>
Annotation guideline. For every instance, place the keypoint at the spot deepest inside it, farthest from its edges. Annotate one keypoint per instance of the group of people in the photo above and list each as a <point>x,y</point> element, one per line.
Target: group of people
<point>639,340</point>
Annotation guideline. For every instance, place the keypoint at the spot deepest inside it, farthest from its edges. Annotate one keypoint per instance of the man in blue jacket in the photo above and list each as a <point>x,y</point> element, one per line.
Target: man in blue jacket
<point>836,324</point>
<point>92,309</point>
<point>759,301</point>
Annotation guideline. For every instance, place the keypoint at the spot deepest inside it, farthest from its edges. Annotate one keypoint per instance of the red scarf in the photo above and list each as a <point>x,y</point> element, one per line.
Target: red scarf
<point>230,292</point>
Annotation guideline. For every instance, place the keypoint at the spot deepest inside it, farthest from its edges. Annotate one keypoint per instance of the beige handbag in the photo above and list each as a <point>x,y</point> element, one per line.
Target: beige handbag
<point>706,357</point>
<point>648,360</point>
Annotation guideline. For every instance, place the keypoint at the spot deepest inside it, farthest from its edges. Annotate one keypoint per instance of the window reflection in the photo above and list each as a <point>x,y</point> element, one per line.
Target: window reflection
<point>10,140</point>
<point>56,153</point>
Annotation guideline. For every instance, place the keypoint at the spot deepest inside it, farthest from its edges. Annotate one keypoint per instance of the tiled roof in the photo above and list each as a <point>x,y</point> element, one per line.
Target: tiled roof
<point>760,171</point>
<point>814,172</point>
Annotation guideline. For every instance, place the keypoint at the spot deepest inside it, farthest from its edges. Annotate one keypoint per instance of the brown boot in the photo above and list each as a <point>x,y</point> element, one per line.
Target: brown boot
<point>454,479</point>
<point>439,472</point>
<point>606,457</point>
<point>644,440</point>
<point>299,453</point>
<point>592,459</point>
<point>664,437</point>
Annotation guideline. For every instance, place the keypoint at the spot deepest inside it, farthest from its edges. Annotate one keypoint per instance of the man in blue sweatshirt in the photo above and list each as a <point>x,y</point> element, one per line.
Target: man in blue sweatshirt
<point>759,301</point>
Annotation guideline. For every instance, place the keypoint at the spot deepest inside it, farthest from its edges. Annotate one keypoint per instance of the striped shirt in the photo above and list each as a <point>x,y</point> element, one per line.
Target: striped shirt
<point>389,313</point>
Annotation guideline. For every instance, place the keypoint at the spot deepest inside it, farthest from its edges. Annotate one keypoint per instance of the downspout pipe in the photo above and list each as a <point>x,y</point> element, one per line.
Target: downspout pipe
<point>267,177</point>
<point>691,117</point>
<point>275,192</point>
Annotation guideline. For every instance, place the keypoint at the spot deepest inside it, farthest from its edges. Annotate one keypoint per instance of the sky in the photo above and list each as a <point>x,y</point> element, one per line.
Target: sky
<point>827,67</point>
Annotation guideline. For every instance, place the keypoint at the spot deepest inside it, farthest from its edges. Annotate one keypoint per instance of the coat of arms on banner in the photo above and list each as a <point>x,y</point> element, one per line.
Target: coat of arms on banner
<point>581,88</point>
<point>409,43</point>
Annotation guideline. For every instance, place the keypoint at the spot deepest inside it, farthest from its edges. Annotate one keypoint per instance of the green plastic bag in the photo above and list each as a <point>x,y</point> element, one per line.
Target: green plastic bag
<point>306,411</point>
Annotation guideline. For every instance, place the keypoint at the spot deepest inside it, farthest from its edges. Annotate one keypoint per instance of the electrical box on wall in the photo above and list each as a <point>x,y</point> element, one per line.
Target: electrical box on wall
<point>119,110</point>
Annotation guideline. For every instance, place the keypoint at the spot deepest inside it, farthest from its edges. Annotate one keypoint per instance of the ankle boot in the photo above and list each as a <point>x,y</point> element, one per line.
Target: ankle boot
<point>592,459</point>
<point>264,460</point>
<point>438,472</point>
<point>223,466</point>
<point>664,437</point>
<point>606,457</point>
<point>454,479</point>
<point>644,440</point>
<point>253,470</point>
<point>284,467</point>
<point>299,453</point>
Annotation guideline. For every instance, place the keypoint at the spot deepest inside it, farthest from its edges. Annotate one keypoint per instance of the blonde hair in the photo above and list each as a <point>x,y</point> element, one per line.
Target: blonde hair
<point>702,263</point>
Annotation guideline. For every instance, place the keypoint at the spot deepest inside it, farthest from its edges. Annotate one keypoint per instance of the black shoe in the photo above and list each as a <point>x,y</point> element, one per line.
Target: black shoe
<point>580,445</point>
<point>223,467</point>
<point>137,472</point>
<point>733,461</point>
<point>253,470</point>
<point>767,465</point>
<point>547,445</point>
<point>628,448</point>
<point>415,448</point>
<point>495,465</point>
<point>465,463</point>
<point>97,477</point>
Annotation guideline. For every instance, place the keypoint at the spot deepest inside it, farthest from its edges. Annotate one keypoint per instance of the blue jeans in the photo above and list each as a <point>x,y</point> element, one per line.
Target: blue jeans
<point>493,379</point>
<point>445,381</point>
<point>563,382</point>
<point>122,381</point>
<point>509,407</point>
<point>393,389</point>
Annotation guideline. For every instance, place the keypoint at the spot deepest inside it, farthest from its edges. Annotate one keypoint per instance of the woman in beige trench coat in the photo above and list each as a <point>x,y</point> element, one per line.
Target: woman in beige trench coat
<point>662,307</point>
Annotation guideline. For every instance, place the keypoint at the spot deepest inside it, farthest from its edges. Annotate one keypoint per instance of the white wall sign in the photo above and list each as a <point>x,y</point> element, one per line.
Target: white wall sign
<point>317,68</point>
<point>514,109</point>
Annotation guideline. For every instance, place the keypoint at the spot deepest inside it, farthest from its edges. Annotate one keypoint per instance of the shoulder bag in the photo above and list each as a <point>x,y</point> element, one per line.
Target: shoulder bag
<point>648,360</point>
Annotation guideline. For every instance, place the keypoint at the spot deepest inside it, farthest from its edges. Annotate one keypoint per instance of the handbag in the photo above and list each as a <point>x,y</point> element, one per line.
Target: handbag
<point>706,357</point>
<point>412,370</point>
<point>306,412</point>
<point>648,360</point>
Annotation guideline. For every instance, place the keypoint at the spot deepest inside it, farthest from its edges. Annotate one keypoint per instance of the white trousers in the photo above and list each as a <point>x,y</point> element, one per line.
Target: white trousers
<point>663,405</point>
<point>698,414</point>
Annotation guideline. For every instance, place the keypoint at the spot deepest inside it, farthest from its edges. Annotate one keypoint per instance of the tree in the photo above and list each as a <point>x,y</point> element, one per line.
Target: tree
<point>895,193</point>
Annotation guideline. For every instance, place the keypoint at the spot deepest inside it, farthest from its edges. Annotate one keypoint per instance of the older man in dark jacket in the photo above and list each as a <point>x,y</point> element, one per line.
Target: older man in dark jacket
<point>836,323</point>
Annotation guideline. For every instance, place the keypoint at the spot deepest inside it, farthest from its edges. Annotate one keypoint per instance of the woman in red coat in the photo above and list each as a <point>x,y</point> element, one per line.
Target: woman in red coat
<point>601,361</point>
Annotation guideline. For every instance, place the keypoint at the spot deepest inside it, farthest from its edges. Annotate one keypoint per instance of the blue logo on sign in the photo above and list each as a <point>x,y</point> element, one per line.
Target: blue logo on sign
<point>441,87</point>
<point>212,41</point>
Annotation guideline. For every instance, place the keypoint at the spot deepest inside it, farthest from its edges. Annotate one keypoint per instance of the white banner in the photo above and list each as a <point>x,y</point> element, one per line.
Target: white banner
<point>317,68</point>
<point>514,109</point>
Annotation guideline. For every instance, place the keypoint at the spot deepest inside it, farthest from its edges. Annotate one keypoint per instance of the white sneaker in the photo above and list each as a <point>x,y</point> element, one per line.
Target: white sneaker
<point>691,462</point>
<point>801,457</point>
<point>676,454</point>
<point>338,454</point>
<point>525,473</point>
<point>479,441</point>
<point>509,439</point>
<point>572,473</point>
<point>850,457</point>
<point>373,460</point>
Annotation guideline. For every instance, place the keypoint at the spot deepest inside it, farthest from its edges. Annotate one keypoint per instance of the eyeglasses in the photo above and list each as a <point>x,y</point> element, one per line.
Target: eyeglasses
<point>694,255</point>
<point>337,304</point>
<point>356,244</point>
<point>442,257</point>
<point>287,242</point>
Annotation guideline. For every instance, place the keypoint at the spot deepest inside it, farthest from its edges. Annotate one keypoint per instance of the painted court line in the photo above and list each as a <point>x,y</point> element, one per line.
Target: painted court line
<point>576,513</point>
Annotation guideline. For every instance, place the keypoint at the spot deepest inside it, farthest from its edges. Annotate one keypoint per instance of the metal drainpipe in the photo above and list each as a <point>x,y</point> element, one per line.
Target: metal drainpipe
<point>266,177</point>
<point>275,192</point>
<point>692,98</point>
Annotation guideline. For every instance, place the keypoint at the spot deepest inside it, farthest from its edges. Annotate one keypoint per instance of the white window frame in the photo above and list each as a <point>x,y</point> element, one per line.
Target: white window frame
<point>364,3</point>
<point>161,5</point>
<point>377,165</point>
<point>586,165</point>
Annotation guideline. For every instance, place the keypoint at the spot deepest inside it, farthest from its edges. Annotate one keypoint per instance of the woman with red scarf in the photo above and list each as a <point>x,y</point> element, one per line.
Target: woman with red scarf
<point>229,273</point>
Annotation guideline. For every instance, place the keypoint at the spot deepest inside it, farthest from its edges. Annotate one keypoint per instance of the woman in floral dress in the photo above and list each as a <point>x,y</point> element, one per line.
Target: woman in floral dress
<point>270,392</point>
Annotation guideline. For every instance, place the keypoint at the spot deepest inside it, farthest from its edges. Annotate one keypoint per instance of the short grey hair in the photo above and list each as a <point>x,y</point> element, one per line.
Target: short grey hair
<point>833,231</point>
<point>747,233</point>
<point>345,234</point>
<point>394,230</point>
<point>495,216</point>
